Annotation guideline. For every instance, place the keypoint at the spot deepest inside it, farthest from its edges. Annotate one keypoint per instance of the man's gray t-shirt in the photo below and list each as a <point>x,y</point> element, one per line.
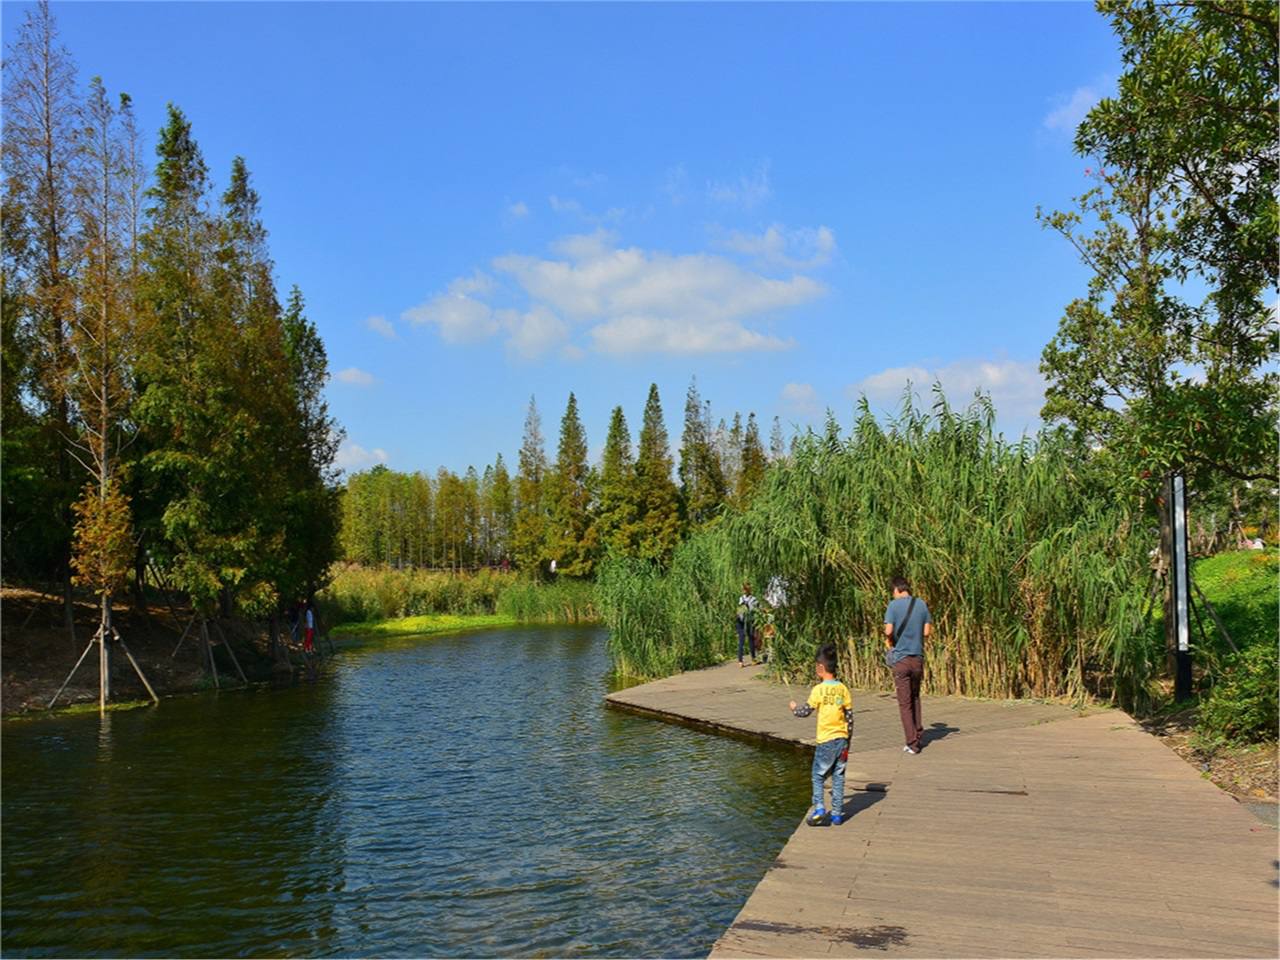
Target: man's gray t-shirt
<point>908,635</point>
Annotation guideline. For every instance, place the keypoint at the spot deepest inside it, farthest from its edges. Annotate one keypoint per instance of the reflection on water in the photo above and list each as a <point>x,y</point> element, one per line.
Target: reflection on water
<point>465,796</point>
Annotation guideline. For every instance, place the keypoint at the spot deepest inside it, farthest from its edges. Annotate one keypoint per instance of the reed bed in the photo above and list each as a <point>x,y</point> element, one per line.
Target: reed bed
<point>1037,582</point>
<point>561,601</point>
<point>359,594</point>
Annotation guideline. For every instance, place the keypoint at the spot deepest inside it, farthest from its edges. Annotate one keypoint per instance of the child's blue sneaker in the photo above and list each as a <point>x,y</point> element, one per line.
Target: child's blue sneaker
<point>818,818</point>
<point>836,819</point>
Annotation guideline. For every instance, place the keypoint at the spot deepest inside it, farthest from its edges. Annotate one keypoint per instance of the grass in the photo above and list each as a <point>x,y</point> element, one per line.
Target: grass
<point>424,625</point>
<point>1242,586</point>
<point>363,595</point>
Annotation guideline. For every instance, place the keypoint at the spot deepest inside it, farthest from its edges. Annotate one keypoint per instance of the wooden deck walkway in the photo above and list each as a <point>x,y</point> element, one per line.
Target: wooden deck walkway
<point>1022,830</point>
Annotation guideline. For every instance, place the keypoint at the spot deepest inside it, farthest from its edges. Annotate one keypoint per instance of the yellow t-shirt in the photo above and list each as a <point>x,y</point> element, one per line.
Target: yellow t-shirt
<point>827,698</point>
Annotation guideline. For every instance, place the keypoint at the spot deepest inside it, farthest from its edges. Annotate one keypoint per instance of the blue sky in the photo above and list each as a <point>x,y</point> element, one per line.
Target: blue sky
<point>795,203</point>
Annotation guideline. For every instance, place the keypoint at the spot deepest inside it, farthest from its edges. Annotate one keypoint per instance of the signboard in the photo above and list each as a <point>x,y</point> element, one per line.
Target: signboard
<point>1181,581</point>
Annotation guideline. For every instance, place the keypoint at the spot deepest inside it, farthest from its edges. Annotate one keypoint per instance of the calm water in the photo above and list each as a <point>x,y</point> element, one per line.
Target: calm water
<point>466,796</point>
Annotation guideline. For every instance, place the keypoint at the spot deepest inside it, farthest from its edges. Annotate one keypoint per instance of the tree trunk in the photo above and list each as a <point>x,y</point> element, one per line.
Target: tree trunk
<point>104,656</point>
<point>1164,570</point>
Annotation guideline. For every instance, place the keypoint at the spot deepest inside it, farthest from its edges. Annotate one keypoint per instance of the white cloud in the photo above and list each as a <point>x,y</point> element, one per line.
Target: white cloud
<point>801,249</point>
<point>649,301</point>
<point>573,208</point>
<point>1016,387</point>
<point>518,210</point>
<point>800,399</point>
<point>1069,110</point>
<point>355,376</point>
<point>641,334</point>
<point>381,326</point>
<point>456,313</point>
<point>534,333</point>
<point>746,191</point>
<point>623,299</point>
<point>352,456</point>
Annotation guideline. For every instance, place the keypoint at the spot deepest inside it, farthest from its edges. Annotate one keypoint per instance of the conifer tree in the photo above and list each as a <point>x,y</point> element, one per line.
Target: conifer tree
<point>777,443</point>
<point>99,377</point>
<point>529,538</point>
<point>189,406</point>
<point>41,110</point>
<point>501,509</point>
<point>616,519</point>
<point>701,478</point>
<point>753,464</point>
<point>570,540</point>
<point>657,496</point>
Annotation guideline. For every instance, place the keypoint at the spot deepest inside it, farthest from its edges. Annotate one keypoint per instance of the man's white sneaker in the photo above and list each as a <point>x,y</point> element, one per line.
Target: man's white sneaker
<point>907,750</point>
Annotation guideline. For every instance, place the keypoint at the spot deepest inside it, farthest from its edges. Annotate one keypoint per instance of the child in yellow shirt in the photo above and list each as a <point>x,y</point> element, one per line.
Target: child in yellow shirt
<point>834,704</point>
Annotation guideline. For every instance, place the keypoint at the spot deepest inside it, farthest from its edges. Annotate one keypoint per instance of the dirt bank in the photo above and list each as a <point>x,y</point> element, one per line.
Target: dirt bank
<point>37,651</point>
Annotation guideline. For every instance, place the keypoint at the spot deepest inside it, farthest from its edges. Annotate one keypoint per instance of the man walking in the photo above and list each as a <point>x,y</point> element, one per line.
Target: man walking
<point>906,623</point>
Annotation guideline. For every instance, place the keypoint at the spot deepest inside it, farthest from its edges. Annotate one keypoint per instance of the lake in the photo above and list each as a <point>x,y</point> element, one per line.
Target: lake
<point>456,796</point>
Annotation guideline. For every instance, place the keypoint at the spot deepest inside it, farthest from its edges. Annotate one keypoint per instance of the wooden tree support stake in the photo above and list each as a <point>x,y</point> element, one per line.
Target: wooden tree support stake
<point>226,643</point>
<point>165,591</point>
<point>1213,615</point>
<point>137,669</point>
<point>73,671</point>
<point>190,624</point>
<point>208,649</point>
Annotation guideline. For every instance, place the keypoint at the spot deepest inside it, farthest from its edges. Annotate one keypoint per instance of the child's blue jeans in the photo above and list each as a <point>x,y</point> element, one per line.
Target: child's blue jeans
<point>827,761</point>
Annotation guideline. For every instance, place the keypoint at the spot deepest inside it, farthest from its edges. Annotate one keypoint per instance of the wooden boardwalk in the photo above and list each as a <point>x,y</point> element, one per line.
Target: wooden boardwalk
<point>1022,830</point>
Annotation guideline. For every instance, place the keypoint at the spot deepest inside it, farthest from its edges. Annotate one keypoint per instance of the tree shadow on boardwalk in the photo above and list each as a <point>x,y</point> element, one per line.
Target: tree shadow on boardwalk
<point>873,938</point>
<point>936,731</point>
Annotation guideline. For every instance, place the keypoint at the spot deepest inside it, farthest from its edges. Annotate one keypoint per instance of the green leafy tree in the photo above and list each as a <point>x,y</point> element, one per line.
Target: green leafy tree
<point>1184,201</point>
<point>656,494</point>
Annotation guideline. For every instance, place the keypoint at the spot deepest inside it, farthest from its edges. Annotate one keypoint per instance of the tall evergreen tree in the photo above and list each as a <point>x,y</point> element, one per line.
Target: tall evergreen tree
<point>529,539</point>
<point>753,464</point>
<point>701,478</point>
<point>99,346</point>
<point>502,510</point>
<point>657,496</point>
<point>616,518</point>
<point>777,442</point>
<point>312,439</point>
<point>41,110</point>
<point>189,407</point>
<point>571,541</point>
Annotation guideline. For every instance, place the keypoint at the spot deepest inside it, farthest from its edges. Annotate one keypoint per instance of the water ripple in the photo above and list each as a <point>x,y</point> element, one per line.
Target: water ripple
<point>464,796</point>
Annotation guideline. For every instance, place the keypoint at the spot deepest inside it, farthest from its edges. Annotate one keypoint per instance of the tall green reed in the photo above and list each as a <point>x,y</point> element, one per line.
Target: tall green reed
<point>1037,580</point>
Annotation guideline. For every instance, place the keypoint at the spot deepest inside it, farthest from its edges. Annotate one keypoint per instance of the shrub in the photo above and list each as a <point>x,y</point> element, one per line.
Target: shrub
<point>1243,706</point>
